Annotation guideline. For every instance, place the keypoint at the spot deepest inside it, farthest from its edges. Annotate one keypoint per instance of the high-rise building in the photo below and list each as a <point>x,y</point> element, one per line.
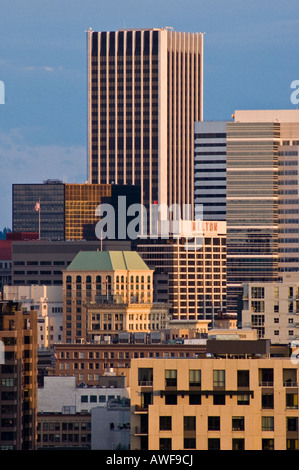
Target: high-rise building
<point>18,372</point>
<point>262,197</point>
<point>193,275</point>
<point>144,95</point>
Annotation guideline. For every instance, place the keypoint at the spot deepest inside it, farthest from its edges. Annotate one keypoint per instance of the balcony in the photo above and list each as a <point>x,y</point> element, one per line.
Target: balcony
<point>139,431</point>
<point>141,408</point>
<point>289,383</point>
<point>266,384</point>
<point>145,383</point>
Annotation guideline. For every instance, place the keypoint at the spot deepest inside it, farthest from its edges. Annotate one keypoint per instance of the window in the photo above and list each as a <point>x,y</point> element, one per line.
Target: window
<point>165,444</point>
<point>243,378</point>
<point>195,399</point>
<point>165,423</point>
<point>267,423</point>
<point>292,424</point>
<point>238,444</point>
<point>189,443</point>
<point>292,444</point>
<point>238,423</point>
<point>189,423</point>
<point>194,378</point>
<point>219,378</point>
<point>219,399</point>
<point>257,292</point>
<point>267,444</point>
<point>170,378</point>
<point>267,400</point>
<point>213,444</point>
<point>170,399</point>
<point>292,401</point>
<point>84,398</point>
<point>213,423</point>
<point>243,399</point>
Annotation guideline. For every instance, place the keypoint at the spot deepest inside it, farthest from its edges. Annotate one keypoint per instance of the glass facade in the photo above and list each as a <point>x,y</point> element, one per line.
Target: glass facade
<point>49,220</point>
<point>252,204</point>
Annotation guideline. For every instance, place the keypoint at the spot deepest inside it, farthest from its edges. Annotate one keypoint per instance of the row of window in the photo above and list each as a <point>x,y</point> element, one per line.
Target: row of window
<point>238,423</point>
<point>165,444</point>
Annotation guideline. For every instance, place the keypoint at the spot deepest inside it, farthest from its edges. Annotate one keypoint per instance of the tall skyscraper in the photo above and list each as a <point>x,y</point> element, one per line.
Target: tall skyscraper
<point>262,197</point>
<point>144,95</point>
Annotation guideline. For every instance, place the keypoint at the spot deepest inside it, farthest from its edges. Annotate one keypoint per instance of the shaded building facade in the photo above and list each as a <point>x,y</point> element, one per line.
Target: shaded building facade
<point>18,387</point>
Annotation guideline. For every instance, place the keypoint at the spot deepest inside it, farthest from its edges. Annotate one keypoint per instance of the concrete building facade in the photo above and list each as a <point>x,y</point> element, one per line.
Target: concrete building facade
<point>214,404</point>
<point>18,371</point>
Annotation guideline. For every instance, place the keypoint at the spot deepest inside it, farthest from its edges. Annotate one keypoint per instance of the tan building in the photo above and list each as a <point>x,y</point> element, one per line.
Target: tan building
<point>89,361</point>
<point>109,292</point>
<point>272,309</point>
<point>145,91</point>
<point>18,372</point>
<point>214,404</point>
<point>196,276</point>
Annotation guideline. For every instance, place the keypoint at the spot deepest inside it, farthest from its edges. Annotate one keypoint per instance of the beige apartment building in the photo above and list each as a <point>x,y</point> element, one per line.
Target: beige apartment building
<point>214,404</point>
<point>272,309</point>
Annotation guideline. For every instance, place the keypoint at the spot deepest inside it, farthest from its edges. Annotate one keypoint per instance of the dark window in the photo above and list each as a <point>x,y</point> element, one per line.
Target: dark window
<point>165,423</point>
<point>213,423</point>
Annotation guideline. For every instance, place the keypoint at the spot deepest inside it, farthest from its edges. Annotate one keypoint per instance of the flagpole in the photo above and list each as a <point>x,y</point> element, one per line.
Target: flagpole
<point>39,220</point>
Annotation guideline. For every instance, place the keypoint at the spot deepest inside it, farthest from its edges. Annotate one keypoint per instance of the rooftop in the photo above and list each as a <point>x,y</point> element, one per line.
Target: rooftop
<point>108,261</point>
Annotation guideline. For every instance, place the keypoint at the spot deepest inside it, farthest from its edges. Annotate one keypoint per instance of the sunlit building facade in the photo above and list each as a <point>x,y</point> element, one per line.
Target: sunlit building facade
<point>144,95</point>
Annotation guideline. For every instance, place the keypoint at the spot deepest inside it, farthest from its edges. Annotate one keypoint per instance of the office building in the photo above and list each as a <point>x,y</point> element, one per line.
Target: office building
<point>262,197</point>
<point>144,95</point>
<point>87,362</point>
<point>252,204</point>
<point>272,309</point>
<point>68,211</point>
<point>18,370</point>
<point>63,431</point>
<point>210,169</point>
<point>39,208</point>
<point>105,293</point>
<point>41,262</point>
<point>244,403</point>
<point>195,276</point>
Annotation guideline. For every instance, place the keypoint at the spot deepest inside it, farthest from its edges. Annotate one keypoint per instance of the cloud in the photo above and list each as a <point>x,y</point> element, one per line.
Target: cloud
<point>21,162</point>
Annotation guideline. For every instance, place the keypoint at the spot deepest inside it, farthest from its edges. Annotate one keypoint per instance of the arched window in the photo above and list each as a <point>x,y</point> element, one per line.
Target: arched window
<point>68,278</point>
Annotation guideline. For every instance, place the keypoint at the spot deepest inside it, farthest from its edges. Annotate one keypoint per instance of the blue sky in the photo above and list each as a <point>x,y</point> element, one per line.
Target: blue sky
<point>250,59</point>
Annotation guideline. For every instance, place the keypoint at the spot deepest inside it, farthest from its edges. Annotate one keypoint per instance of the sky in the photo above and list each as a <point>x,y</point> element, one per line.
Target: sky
<point>251,52</point>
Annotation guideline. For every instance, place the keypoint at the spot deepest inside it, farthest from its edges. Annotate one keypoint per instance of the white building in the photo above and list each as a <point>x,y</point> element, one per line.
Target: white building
<point>47,301</point>
<point>272,309</point>
<point>60,395</point>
